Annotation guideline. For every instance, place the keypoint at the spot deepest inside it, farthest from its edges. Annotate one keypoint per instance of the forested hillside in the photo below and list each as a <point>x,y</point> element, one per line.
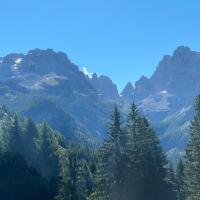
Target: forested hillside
<point>40,160</point>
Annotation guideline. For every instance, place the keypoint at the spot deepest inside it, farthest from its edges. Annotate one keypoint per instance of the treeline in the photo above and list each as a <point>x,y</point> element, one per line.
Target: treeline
<point>129,165</point>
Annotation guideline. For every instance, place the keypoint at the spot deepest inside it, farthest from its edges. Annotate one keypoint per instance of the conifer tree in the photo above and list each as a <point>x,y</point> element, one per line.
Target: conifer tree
<point>172,182</point>
<point>180,180</point>
<point>147,172</point>
<point>62,186</point>
<point>50,151</point>
<point>5,140</point>
<point>133,177</point>
<point>16,134</point>
<point>73,174</point>
<point>192,164</point>
<point>109,176</point>
<point>29,140</point>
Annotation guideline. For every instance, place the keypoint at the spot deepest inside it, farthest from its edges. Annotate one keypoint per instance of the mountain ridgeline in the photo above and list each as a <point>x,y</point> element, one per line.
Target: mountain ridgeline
<point>167,97</point>
<point>46,85</point>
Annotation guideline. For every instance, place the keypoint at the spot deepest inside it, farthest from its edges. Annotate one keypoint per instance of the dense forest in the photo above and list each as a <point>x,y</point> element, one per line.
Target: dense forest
<point>37,162</point>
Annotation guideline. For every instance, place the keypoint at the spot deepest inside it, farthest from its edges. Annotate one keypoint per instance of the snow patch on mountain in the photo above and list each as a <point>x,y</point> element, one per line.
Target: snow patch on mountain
<point>15,66</point>
<point>87,73</point>
<point>163,92</point>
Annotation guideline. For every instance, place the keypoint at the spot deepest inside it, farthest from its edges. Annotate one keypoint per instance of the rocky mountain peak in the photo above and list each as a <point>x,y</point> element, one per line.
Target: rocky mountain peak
<point>127,96</point>
<point>176,74</point>
<point>41,52</point>
<point>142,88</point>
<point>182,51</point>
<point>94,76</point>
<point>37,61</point>
<point>105,87</point>
<point>166,97</point>
<point>128,91</point>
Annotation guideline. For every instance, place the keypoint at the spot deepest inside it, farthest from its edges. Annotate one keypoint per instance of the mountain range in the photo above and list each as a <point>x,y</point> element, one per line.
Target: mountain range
<point>46,85</point>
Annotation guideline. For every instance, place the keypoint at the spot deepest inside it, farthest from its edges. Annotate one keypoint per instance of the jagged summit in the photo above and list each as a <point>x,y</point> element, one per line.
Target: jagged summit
<point>166,98</point>
<point>36,61</point>
<point>105,87</point>
<point>182,51</point>
<point>128,92</point>
<point>39,52</point>
<point>177,74</point>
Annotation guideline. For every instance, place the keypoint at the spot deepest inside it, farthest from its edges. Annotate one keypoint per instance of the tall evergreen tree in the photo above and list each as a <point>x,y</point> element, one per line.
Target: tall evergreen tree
<point>135,160</point>
<point>147,171</point>
<point>50,151</point>
<point>172,182</point>
<point>31,132</point>
<point>16,134</point>
<point>180,181</point>
<point>192,164</point>
<point>109,179</point>
<point>73,174</point>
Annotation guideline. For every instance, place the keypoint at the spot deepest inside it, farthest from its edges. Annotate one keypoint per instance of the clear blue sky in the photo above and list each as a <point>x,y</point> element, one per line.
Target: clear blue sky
<point>120,38</point>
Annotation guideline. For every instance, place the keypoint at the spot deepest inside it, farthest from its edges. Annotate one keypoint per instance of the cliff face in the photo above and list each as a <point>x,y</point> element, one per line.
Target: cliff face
<point>46,85</point>
<point>177,74</point>
<point>167,97</point>
<point>105,87</point>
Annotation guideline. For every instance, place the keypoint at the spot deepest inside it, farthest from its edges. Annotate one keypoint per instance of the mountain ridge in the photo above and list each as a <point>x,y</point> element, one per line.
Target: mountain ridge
<point>29,82</point>
<point>46,85</point>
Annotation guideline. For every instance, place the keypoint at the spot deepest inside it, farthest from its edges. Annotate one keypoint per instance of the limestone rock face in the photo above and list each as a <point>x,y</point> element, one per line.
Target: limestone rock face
<point>46,85</point>
<point>166,98</point>
<point>105,87</point>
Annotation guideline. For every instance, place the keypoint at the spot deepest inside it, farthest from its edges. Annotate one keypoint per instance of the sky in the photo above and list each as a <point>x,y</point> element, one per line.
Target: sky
<point>123,39</point>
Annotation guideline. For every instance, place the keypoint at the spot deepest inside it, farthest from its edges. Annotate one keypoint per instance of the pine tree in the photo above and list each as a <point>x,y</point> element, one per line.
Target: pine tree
<point>5,140</point>
<point>135,159</point>
<point>62,181</point>
<point>86,179</point>
<point>29,140</point>
<point>192,164</point>
<point>73,174</point>
<point>49,150</point>
<point>109,176</point>
<point>172,182</point>
<point>180,181</point>
<point>16,134</point>
<point>146,176</point>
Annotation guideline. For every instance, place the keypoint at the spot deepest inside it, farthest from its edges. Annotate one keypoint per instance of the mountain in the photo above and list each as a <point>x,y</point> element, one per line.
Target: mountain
<point>46,85</point>
<point>127,96</point>
<point>167,97</point>
<point>105,87</point>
